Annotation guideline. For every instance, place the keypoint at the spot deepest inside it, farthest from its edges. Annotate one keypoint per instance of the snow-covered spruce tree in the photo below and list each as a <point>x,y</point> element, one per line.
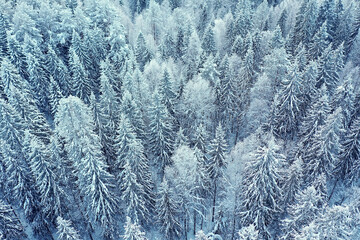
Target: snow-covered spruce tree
<point>248,233</point>
<point>54,96</point>
<point>108,118</point>
<point>20,97</point>
<point>167,93</point>
<point>208,41</point>
<point>119,50</point>
<point>18,179</point>
<point>310,77</point>
<point>3,36</point>
<point>261,191</point>
<point>307,205</point>
<point>133,194</point>
<point>347,166</point>
<point>56,68</point>
<point>161,132</point>
<point>229,101</point>
<point>142,53</point>
<point>216,164</point>
<point>133,169</point>
<point>293,181</point>
<point>189,178</point>
<point>17,57</point>
<point>38,79</point>
<point>10,225</point>
<point>200,235</point>
<point>305,25</point>
<point>167,207</point>
<point>192,54</point>
<point>319,43</point>
<point>325,147</point>
<point>181,139</point>
<point>167,46</point>
<point>289,109</point>
<point>276,66</point>
<point>46,181</point>
<point>81,86</point>
<point>75,124</point>
<point>133,231</point>
<point>331,65</point>
<point>209,71</point>
<point>337,222</point>
<point>247,70</point>
<point>65,231</point>
<point>200,138</point>
<point>314,118</point>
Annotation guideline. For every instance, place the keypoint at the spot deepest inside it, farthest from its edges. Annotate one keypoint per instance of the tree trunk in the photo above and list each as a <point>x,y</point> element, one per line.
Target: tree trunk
<point>185,228</point>
<point>214,202</point>
<point>332,191</point>
<point>194,222</point>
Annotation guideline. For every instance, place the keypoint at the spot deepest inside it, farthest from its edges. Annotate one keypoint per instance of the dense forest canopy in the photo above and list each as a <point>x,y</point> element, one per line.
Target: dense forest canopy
<point>179,119</point>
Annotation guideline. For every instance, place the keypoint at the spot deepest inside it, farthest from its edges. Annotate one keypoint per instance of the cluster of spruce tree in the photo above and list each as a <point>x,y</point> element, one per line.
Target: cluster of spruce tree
<point>179,119</point>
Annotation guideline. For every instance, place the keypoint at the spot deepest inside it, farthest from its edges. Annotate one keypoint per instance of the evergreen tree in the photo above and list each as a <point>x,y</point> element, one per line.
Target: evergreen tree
<point>132,193</point>
<point>325,147</point>
<point>346,166</point>
<point>208,42</point>
<point>248,233</point>
<point>282,22</point>
<point>130,106</point>
<point>17,57</point>
<point>289,107</point>
<point>46,181</point>
<point>142,53</point>
<point>10,225</point>
<point>292,184</point>
<point>75,124</point>
<point>302,212</point>
<point>108,117</point>
<point>133,231</point>
<point>200,138</point>
<point>81,86</point>
<point>209,71</point>
<point>167,93</point>
<point>319,43</point>
<point>167,208</point>
<point>161,132</point>
<point>3,37</point>
<point>56,68</point>
<point>134,171</point>
<point>65,231</point>
<point>168,46</point>
<point>229,94</point>
<point>54,96</point>
<point>18,180</point>
<point>315,117</point>
<point>261,190</point>
<point>331,65</point>
<point>247,69</point>
<point>119,51</point>
<point>37,78</point>
<point>180,47</point>
<point>181,139</point>
<point>217,164</point>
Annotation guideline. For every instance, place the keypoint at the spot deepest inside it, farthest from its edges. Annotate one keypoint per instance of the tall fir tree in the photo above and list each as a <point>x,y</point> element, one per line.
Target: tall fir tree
<point>84,149</point>
<point>217,164</point>
<point>167,207</point>
<point>161,132</point>
<point>261,190</point>
<point>65,231</point>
